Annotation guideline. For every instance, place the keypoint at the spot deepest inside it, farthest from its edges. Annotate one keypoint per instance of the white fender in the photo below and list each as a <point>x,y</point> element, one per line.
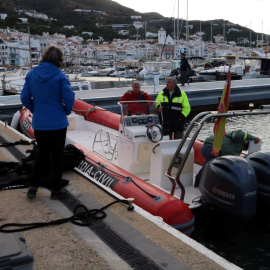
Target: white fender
<point>15,120</point>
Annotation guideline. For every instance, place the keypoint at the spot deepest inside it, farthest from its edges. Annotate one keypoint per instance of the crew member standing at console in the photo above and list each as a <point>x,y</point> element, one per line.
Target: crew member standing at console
<point>174,106</point>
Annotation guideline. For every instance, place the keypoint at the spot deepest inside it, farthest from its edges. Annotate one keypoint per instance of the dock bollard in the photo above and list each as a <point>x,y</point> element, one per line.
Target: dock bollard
<point>130,205</point>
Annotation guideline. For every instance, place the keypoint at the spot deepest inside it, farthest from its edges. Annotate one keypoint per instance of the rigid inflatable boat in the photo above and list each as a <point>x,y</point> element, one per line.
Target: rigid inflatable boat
<point>129,154</point>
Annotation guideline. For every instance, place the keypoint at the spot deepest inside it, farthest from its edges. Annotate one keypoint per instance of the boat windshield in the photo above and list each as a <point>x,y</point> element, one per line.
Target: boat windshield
<point>138,107</point>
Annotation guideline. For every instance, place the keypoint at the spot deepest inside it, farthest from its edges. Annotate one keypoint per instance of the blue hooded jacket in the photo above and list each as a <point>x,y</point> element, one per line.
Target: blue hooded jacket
<point>47,94</point>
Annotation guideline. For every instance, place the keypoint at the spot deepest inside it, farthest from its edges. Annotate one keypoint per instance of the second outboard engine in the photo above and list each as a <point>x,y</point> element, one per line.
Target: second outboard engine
<point>260,161</point>
<point>228,184</point>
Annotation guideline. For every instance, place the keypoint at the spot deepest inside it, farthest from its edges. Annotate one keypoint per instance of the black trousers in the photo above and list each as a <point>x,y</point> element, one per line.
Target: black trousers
<point>51,145</point>
<point>183,77</point>
<point>176,135</point>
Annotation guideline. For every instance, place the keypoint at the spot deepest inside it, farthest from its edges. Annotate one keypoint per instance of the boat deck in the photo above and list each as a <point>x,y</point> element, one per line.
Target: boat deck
<point>104,142</point>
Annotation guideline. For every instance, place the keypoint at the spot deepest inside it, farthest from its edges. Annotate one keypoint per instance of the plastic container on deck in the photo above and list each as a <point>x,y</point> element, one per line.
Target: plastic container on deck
<point>14,253</point>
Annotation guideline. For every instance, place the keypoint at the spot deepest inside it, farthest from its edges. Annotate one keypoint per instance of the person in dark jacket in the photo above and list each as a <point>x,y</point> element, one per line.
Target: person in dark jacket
<point>133,95</point>
<point>174,105</point>
<point>184,67</point>
<point>233,143</point>
<point>47,94</point>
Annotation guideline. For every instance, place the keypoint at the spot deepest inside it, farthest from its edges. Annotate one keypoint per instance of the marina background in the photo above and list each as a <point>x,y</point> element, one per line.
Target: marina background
<point>248,249</point>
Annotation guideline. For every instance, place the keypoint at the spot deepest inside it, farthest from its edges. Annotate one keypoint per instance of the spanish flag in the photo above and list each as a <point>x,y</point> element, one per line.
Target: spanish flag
<point>219,128</point>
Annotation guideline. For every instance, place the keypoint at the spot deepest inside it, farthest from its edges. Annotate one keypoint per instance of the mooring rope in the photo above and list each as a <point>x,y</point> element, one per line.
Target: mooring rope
<point>80,218</point>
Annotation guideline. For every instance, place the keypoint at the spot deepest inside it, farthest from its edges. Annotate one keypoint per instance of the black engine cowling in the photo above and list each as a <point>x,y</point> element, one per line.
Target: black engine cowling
<point>260,161</point>
<point>229,184</point>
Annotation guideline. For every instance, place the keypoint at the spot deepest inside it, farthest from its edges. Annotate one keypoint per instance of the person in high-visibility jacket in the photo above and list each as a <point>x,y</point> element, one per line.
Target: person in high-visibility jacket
<point>174,105</point>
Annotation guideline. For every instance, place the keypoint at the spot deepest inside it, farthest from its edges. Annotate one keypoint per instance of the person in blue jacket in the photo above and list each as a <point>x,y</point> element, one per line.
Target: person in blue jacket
<point>47,94</point>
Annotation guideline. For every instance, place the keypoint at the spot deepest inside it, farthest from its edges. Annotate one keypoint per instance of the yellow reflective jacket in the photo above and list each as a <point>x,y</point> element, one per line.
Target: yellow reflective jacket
<point>175,108</point>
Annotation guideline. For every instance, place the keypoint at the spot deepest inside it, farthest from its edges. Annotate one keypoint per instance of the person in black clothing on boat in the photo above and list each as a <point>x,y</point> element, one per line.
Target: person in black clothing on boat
<point>184,68</point>
<point>174,105</point>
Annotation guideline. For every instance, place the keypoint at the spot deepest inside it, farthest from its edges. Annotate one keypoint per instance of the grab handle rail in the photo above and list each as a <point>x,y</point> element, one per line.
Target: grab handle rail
<point>205,116</point>
<point>107,142</point>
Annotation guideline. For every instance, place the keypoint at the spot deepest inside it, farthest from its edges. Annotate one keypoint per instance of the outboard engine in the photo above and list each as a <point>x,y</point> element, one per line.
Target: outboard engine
<point>260,161</point>
<point>228,185</point>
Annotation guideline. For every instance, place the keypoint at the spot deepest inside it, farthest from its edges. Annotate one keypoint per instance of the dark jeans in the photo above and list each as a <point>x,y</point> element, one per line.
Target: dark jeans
<point>183,77</point>
<point>176,135</point>
<point>51,145</point>
<point>206,153</point>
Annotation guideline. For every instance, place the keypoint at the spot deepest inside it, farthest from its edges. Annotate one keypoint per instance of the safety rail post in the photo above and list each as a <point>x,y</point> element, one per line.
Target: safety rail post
<point>168,173</point>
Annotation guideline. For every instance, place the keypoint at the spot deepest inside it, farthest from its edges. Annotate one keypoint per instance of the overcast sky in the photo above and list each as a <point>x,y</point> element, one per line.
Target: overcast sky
<point>254,14</point>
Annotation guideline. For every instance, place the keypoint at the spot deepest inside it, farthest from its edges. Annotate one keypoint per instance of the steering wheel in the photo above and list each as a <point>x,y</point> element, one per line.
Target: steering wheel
<point>154,133</point>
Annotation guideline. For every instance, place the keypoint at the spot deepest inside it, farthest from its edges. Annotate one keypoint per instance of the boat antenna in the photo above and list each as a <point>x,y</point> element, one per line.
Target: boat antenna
<point>177,30</point>
<point>30,51</point>
<point>187,29</point>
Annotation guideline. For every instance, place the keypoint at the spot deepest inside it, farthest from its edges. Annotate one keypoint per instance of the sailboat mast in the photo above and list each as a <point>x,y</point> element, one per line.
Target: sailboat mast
<point>30,50</point>
<point>177,35</point>
<point>250,38</point>
<point>187,30</point>
<point>262,31</point>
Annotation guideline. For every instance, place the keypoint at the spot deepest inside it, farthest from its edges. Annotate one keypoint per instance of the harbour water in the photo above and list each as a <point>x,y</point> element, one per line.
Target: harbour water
<point>248,249</point>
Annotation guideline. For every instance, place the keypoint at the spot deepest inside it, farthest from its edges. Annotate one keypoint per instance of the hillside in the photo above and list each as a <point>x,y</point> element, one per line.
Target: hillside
<point>112,13</point>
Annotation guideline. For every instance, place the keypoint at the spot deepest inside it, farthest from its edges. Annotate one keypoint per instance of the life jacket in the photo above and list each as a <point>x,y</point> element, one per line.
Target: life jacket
<point>172,111</point>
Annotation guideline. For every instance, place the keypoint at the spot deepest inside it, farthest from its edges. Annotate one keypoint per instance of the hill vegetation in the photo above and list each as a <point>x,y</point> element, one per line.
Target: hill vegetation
<point>62,12</point>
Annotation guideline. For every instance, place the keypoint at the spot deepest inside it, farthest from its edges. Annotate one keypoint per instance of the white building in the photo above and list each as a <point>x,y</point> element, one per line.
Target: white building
<point>219,38</point>
<point>151,35</point>
<point>24,20</point>
<point>4,54</point>
<point>136,17</point>
<point>181,49</point>
<point>119,26</point>
<point>161,36</point>
<point>3,16</point>
<point>123,32</point>
<point>69,26</point>
<point>138,24</point>
<point>35,14</point>
<point>88,33</point>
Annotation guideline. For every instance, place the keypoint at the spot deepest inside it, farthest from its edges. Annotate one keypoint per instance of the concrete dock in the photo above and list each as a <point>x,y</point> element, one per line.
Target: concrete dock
<point>203,96</point>
<point>140,240</point>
